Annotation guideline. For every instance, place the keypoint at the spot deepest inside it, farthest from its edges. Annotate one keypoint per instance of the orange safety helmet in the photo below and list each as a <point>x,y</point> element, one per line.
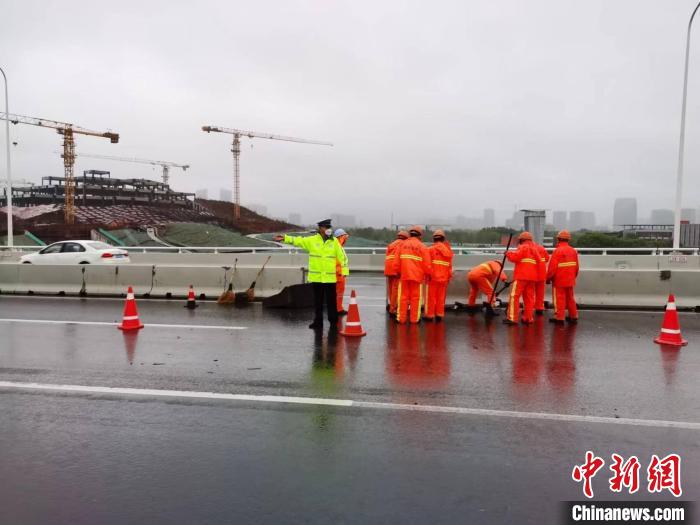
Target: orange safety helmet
<point>525,236</point>
<point>417,228</point>
<point>403,234</point>
<point>438,233</point>
<point>564,235</point>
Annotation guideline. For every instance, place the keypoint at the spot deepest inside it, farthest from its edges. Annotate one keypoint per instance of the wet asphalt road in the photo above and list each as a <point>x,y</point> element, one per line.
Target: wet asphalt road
<point>94,458</point>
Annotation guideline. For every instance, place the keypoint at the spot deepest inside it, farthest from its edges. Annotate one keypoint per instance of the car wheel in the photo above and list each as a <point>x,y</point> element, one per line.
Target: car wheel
<point>26,262</point>
<point>84,262</point>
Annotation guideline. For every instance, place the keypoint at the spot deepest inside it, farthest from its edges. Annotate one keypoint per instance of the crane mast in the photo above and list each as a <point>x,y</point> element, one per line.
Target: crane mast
<point>68,131</point>
<point>236,150</point>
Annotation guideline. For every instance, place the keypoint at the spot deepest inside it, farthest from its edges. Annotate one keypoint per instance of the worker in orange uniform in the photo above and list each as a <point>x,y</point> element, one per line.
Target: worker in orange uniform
<point>541,278</point>
<point>392,279</point>
<point>562,272</point>
<point>341,272</point>
<point>482,279</point>
<point>441,260</point>
<point>412,264</point>
<point>524,280</point>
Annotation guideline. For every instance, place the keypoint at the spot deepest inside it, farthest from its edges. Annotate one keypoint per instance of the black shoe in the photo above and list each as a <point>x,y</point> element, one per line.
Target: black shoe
<point>526,322</point>
<point>572,320</point>
<point>341,313</point>
<point>316,324</point>
<point>556,321</point>
<point>509,322</point>
<point>438,319</point>
<point>539,312</point>
<point>428,319</point>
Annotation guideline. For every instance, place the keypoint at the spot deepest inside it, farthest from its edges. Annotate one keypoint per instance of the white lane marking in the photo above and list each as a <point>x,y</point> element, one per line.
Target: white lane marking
<point>174,393</point>
<point>82,389</point>
<point>104,323</point>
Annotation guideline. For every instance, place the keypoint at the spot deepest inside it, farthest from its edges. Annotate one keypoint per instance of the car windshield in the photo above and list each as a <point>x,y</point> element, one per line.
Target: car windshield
<point>99,245</point>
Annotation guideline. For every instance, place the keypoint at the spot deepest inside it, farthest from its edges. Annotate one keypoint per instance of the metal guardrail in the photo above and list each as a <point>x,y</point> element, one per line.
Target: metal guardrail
<point>458,250</point>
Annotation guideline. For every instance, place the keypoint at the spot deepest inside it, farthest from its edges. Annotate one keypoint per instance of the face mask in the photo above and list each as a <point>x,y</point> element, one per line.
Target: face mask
<point>328,232</point>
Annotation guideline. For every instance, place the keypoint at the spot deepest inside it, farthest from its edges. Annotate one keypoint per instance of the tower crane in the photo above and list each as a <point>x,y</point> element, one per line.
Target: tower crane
<point>162,163</point>
<point>67,130</point>
<point>236,150</point>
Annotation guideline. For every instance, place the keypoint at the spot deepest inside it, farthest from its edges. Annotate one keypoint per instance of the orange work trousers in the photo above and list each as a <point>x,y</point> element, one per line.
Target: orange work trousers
<point>410,296</point>
<point>480,285</point>
<point>539,295</point>
<point>526,290</point>
<point>392,288</point>
<point>339,291</point>
<point>435,299</point>
<point>563,298</point>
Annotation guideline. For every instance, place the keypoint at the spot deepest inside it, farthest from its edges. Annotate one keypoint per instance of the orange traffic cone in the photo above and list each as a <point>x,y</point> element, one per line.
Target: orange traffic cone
<point>353,327</point>
<point>671,328</point>
<point>191,303</point>
<point>130,319</point>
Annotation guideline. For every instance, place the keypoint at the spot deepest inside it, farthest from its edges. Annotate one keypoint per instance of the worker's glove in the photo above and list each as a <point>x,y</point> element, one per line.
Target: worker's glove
<point>506,284</point>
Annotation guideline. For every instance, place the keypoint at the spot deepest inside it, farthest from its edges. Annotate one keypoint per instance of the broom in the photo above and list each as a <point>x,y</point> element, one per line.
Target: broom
<point>249,294</point>
<point>227,297</point>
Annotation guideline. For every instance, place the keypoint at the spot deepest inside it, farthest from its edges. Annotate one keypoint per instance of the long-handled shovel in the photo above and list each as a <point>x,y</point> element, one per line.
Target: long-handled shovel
<point>490,312</point>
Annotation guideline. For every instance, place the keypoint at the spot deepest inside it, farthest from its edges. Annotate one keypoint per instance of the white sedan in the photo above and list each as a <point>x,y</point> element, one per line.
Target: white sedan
<point>77,252</point>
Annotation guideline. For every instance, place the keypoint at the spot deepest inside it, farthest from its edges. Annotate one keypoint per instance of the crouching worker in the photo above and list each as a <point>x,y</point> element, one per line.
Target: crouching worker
<point>441,259</point>
<point>483,279</point>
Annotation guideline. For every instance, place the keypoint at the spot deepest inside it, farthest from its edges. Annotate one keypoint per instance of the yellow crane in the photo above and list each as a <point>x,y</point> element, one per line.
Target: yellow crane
<point>67,130</point>
<point>236,149</point>
<point>166,165</point>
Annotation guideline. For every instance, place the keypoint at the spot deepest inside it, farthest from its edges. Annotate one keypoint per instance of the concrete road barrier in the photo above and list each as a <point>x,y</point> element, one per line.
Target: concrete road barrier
<point>605,280</point>
<point>154,280</point>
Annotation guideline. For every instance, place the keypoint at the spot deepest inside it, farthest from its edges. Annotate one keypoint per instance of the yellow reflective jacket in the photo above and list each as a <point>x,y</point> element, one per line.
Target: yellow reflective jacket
<point>323,255</point>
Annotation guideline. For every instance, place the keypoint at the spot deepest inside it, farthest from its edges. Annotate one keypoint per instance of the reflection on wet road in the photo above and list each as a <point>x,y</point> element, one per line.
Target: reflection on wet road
<point>99,458</point>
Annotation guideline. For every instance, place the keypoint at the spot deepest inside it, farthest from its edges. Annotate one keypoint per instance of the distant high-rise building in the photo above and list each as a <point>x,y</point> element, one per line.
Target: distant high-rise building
<point>688,214</point>
<point>258,208</point>
<point>343,221</point>
<point>581,220</point>
<point>517,221</point>
<point>624,212</point>
<point>489,218</point>
<point>295,218</point>
<point>202,194</point>
<point>559,220</point>
<point>662,216</point>
<point>225,195</point>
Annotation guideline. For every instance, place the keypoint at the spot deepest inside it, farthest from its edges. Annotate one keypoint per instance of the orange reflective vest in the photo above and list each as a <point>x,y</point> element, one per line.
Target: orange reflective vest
<point>525,259</point>
<point>389,263</point>
<point>541,262</point>
<point>563,266</point>
<point>489,270</point>
<point>441,260</point>
<point>412,261</point>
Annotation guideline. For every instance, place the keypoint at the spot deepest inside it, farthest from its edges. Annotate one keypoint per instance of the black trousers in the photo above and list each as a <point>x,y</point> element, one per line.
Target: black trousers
<point>325,291</point>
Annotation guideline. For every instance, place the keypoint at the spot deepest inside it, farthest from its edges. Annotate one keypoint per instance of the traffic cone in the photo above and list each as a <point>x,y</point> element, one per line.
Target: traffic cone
<point>191,303</point>
<point>353,327</point>
<point>671,328</point>
<point>130,319</point>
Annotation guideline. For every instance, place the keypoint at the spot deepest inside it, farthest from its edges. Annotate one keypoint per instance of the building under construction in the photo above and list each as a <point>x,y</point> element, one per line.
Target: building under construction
<point>98,188</point>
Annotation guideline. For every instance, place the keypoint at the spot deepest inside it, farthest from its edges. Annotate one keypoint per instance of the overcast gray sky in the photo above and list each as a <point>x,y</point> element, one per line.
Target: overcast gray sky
<point>435,108</point>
